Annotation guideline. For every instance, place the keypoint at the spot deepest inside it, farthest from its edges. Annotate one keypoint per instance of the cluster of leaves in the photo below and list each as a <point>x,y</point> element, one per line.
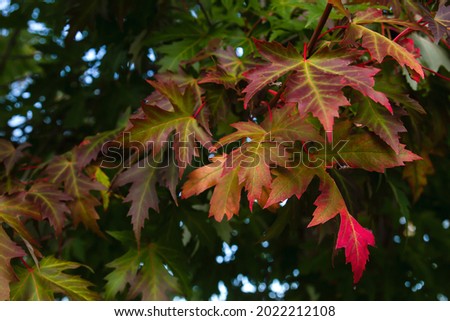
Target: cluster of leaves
<point>292,111</point>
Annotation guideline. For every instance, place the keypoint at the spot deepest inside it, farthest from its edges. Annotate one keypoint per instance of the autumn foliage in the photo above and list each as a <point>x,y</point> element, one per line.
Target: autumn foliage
<point>238,131</point>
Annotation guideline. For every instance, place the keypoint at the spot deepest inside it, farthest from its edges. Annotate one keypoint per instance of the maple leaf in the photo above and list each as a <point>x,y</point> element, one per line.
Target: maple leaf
<point>180,78</point>
<point>295,181</point>
<point>252,161</point>
<point>8,251</point>
<point>13,208</point>
<point>178,51</point>
<point>9,155</point>
<point>91,146</point>
<point>440,24</point>
<point>364,150</point>
<point>52,204</point>
<point>11,186</point>
<point>225,200</point>
<point>158,124</point>
<point>288,182</point>
<point>83,211</point>
<point>227,71</point>
<point>249,165</point>
<point>355,239</point>
<point>378,45</point>
<point>286,125</point>
<point>316,83</point>
<point>77,185</point>
<point>416,174</point>
<point>142,193</point>
<point>385,125</point>
<point>101,177</point>
<point>374,15</point>
<point>330,202</point>
<point>144,272</point>
<point>43,282</point>
<point>203,178</point>
<point>168,177</point>
<point>340,7</point>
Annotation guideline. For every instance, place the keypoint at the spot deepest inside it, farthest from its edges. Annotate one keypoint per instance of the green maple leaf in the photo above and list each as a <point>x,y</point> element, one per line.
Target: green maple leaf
<point>8,251</point>
<point>364,150</point>
<point>41,283</point>
<point>228,69</point>
<point>385,125</point>
<point>145,273</point>
<point>178,51</point>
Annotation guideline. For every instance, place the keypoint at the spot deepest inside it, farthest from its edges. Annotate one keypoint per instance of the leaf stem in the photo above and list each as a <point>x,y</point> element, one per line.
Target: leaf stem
<point>275,99</point>
<point>29,268</point>
<point>253,27</point>
<point>331,30</point>
<point>402,34</point>
<point>436,73</point>
<point>199,109</point>
<point>316,34</point>
<point>202,8</point>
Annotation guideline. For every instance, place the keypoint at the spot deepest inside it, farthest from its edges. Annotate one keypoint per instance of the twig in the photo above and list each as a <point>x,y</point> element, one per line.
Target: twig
<point>202,8</point>
<point>316,34</point>
<point>436,73</point>
<point>253,27</point>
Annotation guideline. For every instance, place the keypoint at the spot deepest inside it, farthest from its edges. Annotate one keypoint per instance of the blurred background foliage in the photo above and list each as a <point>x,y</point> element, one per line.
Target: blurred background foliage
<point>70,69</point>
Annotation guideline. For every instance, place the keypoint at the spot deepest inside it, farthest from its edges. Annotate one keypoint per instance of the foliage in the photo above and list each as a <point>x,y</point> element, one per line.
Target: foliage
<point>342,104</point>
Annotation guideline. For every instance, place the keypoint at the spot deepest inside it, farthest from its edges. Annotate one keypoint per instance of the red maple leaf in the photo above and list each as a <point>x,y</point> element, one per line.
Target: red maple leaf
<point>355,239</point>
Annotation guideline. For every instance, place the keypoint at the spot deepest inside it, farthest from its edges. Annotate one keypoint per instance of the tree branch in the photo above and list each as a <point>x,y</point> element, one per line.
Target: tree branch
<point>200,4</point>
<point>316,34</point>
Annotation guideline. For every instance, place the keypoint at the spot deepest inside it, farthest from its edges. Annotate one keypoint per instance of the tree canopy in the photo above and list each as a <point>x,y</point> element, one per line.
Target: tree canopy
<point>223,149</point>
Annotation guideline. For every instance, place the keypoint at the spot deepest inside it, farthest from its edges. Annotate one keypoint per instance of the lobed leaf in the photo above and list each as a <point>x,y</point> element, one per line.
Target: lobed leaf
<point>386,126</point>
<point>157,125</point>
<point>8,251</point>
<point>142,193</point>
<point>52,204</point>
<point>43,282</point>
<point>355,239</point>
<point>77,185</point>
<point>145,273</point>
<point>13,208</point>
<point>440,24</point>
<point>379,47</point>
<point>316,83</point>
